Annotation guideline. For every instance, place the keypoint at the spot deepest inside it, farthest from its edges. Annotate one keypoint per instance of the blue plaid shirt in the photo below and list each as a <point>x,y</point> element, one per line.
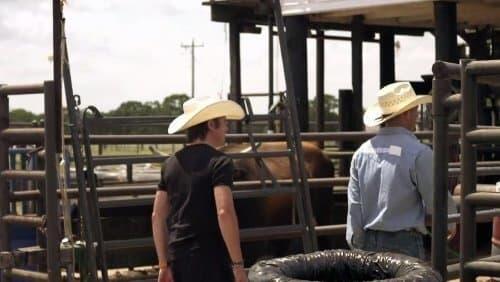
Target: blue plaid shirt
<point>390,186</point>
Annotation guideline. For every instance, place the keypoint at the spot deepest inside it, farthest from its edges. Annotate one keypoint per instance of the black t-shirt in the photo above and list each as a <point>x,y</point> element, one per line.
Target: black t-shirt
<point>189,178</point>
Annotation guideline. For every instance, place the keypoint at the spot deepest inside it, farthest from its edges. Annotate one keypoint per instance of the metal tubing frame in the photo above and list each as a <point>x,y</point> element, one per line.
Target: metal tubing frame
<point>27,275</point>
<point>35,175</point>
<point>355,136</point>
<point>469,158</point>
<point>23,136</point>
<point>484,136</point>
<point>441,91</point>
<point>51,182</point>
<point>30,221</point>
<point>21,89</point>
<point>483,68</point>
<point>241,187</point>
<point>4,188</point>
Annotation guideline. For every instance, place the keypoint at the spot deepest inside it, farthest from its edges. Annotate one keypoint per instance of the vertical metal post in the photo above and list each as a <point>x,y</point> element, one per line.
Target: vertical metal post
<point>445,19</point>
<point>56,45</point>
<point>51,183</point>
<point>357,71</point>
<point>441,89</point>
<point>270,39</point>
<point>235,67</point>
<point>320,82</point>
<point>4,189</point>
<point>310,241</point>
<point>387,64</point>
<point>296,37</point>
<point>468,167</point>
<point>346,123</point>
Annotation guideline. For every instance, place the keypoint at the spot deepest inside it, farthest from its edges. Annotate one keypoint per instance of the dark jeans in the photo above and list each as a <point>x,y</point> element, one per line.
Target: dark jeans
<point>409,243</point>
<point>196,267</point>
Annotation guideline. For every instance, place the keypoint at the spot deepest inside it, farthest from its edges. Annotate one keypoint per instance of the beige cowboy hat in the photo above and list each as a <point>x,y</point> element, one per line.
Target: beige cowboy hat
<point>394,99</point>
<point>201,109</point>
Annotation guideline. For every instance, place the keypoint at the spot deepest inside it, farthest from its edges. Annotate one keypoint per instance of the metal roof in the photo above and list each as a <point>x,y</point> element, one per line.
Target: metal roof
<point>404,13</point>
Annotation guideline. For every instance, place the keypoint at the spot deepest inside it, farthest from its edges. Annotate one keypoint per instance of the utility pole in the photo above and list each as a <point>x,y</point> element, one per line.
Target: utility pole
<point>192,46</point>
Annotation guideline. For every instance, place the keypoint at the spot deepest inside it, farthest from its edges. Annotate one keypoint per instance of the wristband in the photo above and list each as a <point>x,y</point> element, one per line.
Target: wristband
<point>163,265</point>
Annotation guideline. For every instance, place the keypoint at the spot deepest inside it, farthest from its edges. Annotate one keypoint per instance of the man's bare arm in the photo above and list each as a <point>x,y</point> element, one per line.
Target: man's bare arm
<point>228,222</point>
<point>159,225</point>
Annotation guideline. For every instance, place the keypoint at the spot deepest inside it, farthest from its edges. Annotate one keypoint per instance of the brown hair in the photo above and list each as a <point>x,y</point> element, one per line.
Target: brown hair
<point>200,131</point>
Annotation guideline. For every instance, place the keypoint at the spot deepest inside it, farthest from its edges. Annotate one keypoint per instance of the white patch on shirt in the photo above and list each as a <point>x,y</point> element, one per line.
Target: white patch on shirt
<point>392,150</point>
<point>395,150</point>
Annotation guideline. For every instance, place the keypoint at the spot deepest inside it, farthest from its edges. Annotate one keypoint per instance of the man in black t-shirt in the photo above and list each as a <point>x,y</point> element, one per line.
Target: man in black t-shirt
<point>195,227</point>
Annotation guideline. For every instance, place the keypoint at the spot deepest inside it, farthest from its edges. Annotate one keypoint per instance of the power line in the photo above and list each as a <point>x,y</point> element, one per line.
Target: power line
<point>192,46</point>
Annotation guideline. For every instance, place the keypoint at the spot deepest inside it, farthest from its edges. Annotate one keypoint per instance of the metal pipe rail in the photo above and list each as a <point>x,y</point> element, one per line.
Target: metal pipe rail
<point>483,68</point>
<point>479,136</point>
<point>445,70</point>
<point>482,199</point>
<point>23,136</point>
<point>480,171</point>
<point>259,137</point>
<point>479,164</point>
<point>453,101</point>
<point>26,275</point>
<point>36,175</point>
<point>29,221</point>
<point>151,189</point>
<point>483,268</point>
<point>22,89</point>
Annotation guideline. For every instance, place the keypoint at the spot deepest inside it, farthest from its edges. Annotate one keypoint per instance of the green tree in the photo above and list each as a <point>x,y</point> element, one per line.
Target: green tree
<point>172,104</point>
<point>22,115</point>
<point>331,104</point>
<point>132,108</point>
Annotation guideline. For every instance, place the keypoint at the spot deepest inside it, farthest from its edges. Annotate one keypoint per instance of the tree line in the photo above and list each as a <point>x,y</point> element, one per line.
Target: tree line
<point>170,106</point>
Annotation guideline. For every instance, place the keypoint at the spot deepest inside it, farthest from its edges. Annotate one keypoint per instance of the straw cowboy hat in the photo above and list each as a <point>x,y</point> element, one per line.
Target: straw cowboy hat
<point>198,110</point>
<point>393,100</point>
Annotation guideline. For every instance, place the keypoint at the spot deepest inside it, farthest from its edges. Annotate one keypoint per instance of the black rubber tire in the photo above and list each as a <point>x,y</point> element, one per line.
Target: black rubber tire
<point>343,265</point>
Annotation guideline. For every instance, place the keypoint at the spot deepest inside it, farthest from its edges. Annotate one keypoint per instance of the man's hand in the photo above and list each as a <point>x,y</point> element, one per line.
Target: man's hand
<point>239,274</point>
<point>165,275</point>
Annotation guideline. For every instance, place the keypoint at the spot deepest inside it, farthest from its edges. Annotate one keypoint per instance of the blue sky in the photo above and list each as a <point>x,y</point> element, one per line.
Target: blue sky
<point>130,50</point>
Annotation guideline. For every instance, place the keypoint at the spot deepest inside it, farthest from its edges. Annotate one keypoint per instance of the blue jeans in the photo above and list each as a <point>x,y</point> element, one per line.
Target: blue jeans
<point>409,243</point>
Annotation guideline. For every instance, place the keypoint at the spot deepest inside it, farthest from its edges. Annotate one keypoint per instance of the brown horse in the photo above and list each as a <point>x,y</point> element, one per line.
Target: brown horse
<point>278,210</point>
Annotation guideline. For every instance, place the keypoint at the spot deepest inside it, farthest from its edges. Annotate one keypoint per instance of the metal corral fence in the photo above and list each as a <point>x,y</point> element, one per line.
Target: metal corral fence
<point>470,73</point>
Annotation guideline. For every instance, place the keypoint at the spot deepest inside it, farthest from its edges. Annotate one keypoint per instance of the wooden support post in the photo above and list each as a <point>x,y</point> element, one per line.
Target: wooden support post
<point>4,189</point>
<point>270,39</point>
